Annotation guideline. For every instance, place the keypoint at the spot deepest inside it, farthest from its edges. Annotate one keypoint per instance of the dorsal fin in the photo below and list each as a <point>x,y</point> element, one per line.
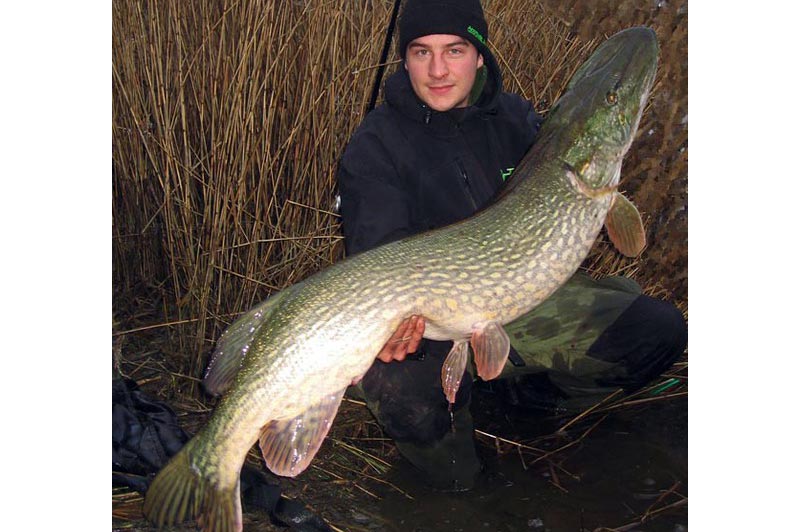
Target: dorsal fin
<point>233,345</point>
<point>289,445</point>
<point>624,226</point>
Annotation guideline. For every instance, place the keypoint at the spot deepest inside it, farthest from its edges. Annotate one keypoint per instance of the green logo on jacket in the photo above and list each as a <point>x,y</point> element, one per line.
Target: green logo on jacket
<point>507,172</point>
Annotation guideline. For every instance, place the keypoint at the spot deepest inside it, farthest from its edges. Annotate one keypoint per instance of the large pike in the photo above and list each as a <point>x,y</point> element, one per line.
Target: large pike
<point>284,366</point>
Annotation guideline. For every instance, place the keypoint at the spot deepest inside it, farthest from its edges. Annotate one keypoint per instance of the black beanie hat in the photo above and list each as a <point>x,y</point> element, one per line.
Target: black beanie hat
<point>452,17</point>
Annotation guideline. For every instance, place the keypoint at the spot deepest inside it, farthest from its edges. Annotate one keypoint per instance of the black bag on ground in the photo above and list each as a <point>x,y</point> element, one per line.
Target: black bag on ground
<point>146,434</point>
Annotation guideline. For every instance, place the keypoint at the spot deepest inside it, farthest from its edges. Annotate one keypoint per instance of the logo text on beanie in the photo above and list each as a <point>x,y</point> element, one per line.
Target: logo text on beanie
<point>476,34</point>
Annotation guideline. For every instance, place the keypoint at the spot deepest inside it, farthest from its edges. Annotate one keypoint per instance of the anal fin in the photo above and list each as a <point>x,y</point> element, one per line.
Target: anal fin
<point>624,226</point>
<point>491,345</point>
<point>289,445</point>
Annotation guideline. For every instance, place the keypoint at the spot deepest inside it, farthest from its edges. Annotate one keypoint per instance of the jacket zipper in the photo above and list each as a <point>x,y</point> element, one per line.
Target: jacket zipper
<point>467,186</point>
<point>461,169</point>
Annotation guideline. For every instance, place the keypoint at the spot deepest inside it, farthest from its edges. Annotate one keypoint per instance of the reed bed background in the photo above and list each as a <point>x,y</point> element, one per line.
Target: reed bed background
<point>229,118</point>
<point>228,122</point>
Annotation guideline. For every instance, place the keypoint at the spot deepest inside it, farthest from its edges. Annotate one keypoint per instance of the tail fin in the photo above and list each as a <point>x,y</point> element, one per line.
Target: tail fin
<point>180,492</point>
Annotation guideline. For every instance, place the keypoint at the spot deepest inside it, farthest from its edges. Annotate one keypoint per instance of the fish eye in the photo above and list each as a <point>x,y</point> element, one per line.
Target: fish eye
<point>611,97</point>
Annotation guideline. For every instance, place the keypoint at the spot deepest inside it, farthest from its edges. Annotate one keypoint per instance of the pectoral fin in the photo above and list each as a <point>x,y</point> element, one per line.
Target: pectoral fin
<point>289,445</point>
<point>491,345</point>
<point>453,369</point>
<point>624,226</point>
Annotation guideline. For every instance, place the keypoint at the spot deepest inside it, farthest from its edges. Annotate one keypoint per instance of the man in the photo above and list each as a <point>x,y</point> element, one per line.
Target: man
<point>434,153</point>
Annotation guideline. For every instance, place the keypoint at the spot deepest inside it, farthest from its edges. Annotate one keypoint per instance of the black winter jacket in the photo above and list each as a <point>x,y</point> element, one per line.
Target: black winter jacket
<point>408,168</point>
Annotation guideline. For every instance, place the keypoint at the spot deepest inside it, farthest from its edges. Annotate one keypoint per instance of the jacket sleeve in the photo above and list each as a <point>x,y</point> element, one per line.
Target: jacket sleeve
<point>375,206</point>
<point>533,121</point>
<point>519,125</point>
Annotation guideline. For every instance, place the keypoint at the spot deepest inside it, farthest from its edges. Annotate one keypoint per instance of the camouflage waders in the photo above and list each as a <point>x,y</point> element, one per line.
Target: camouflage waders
<point>565,341</point>
<point>589,338</point>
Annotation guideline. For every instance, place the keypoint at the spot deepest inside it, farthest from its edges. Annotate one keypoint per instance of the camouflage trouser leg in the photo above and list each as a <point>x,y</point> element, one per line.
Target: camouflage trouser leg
<point>591,337</point>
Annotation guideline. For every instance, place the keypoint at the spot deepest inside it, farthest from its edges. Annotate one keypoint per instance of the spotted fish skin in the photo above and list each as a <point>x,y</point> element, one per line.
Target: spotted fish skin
<point>284,365</point>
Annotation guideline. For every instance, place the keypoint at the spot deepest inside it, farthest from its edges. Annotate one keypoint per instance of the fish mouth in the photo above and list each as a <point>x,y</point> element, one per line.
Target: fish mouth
<point>625,61</point>
<point>603,104</point>
<point>629,53</point>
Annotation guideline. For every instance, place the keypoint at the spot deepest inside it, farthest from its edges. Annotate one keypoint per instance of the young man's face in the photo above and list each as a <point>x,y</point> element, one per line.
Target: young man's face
<point>442,69</point>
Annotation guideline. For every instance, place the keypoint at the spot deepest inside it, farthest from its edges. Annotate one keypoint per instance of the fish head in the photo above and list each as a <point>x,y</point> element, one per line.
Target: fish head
<point>597,116</point>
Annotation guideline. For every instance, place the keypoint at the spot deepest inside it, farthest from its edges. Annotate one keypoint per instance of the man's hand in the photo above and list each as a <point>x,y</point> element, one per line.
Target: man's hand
<point>405,340</point>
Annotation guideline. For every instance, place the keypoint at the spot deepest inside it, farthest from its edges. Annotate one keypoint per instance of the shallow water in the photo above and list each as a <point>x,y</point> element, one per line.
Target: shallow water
<point>608,479</point>
<point>616,469</point>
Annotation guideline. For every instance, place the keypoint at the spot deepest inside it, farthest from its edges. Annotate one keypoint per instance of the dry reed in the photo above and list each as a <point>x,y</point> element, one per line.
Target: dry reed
<point>228,122</point>
<point>229,119</point>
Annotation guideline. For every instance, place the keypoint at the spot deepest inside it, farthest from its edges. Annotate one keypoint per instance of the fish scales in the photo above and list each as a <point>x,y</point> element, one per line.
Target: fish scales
<point>335,324</point>
<point>292,359</point>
